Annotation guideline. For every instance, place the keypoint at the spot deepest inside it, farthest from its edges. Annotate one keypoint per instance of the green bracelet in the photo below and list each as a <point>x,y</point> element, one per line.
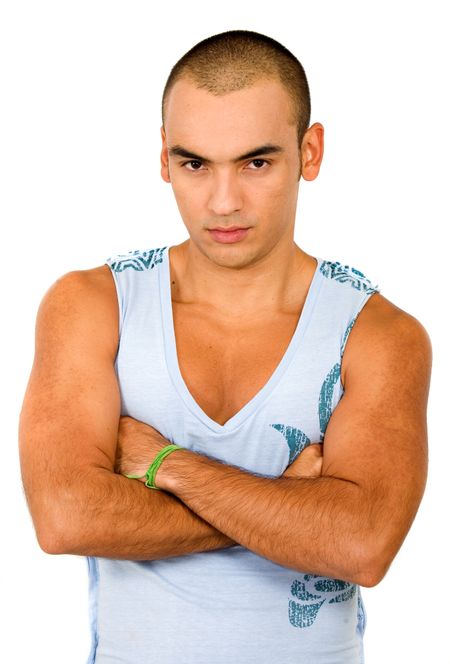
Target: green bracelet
<point>155,464</point>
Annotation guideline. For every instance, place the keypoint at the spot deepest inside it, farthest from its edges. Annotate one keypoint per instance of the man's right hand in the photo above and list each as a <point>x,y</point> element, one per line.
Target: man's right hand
<point>308,463</point>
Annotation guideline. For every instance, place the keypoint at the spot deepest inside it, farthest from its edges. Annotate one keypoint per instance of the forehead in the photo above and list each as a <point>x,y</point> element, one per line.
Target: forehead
<point>250,116</point>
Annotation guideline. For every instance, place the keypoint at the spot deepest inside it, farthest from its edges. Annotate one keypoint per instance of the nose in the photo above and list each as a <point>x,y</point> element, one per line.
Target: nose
<point>225,195</point>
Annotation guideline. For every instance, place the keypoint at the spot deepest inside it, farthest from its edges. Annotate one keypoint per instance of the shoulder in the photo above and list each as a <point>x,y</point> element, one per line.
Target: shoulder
<point>81,302</point>
<point>384,335</point>
<point>94,285</point>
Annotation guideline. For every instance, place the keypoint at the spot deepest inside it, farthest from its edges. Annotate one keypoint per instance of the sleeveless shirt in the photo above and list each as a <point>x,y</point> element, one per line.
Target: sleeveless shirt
<point>228,605</point>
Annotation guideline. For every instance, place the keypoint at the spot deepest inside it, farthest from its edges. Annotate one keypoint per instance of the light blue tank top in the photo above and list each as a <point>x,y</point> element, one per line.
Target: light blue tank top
<point>228,606</point>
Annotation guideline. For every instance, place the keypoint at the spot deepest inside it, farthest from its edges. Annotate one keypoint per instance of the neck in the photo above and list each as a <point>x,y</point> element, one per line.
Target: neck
<point>253,285</point>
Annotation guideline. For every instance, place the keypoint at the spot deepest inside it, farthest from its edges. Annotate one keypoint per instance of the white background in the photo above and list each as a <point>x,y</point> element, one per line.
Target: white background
<point>81,85</point>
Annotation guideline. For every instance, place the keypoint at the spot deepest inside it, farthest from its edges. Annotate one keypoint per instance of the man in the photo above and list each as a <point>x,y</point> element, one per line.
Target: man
<point>251,356</point>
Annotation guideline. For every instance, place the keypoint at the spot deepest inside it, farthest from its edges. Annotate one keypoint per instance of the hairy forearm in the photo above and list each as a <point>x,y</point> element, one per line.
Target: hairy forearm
<point>317,525</point>
<point>100,513</point>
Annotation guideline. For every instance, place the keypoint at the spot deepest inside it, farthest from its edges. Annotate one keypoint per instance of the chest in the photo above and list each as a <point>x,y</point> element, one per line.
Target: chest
<point>225,365</point>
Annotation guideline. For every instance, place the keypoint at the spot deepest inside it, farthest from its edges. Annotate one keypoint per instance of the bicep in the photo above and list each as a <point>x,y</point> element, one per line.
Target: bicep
<point>71,409</point>
<point>377,434</point>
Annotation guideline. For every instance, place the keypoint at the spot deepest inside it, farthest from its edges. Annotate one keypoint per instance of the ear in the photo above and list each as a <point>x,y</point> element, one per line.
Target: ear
<point>311,151</point>
<point>165,174</point>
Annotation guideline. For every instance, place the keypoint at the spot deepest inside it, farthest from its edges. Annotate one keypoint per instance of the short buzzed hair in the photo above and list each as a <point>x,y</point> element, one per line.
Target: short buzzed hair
<point>237,59</point>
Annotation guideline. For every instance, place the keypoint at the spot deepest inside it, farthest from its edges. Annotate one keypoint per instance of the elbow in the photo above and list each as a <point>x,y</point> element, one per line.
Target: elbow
<point>51,542</point>
<point>53,529</point>
<point>370,577</point>
<point>62,519</point>
<point>371,566</point>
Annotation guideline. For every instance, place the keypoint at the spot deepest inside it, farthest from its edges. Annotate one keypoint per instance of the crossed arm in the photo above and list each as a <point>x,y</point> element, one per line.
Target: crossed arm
<point>349,523</point>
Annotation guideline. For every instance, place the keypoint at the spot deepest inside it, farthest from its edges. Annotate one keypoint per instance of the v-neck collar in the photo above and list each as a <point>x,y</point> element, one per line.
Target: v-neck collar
<point>172,358</point>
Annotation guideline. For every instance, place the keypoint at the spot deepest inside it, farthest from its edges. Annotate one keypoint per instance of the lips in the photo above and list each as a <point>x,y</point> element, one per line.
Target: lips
<point>229,229</point>
<point>230,235</point>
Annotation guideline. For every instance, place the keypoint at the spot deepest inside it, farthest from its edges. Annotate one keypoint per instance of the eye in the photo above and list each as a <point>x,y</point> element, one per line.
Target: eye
<point>192,161</point>
<point>258,161</point>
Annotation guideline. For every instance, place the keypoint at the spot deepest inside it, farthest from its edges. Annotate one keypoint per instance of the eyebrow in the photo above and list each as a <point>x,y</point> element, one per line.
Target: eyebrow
<point>269,148</point>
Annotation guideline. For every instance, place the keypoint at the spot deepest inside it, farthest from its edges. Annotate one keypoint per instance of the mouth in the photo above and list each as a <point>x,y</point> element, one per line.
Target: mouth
<point>228,235</point>
<point>229,229</point>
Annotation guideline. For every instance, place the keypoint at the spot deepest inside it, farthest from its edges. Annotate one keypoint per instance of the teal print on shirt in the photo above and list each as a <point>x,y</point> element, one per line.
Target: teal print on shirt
<point>326,398</point>
<point>347,332</point>
<point>345,273</point>
<point>138,260</point>
<point>311,592</point>
<point>295,438</point>
<point>328,386</point>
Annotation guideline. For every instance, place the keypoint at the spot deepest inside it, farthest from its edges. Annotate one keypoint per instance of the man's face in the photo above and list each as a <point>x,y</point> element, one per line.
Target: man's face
<point>212,187</point>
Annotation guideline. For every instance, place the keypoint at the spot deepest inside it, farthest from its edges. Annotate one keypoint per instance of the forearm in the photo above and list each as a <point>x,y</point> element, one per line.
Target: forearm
<point>316,525</point>
<point>105,514</point>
